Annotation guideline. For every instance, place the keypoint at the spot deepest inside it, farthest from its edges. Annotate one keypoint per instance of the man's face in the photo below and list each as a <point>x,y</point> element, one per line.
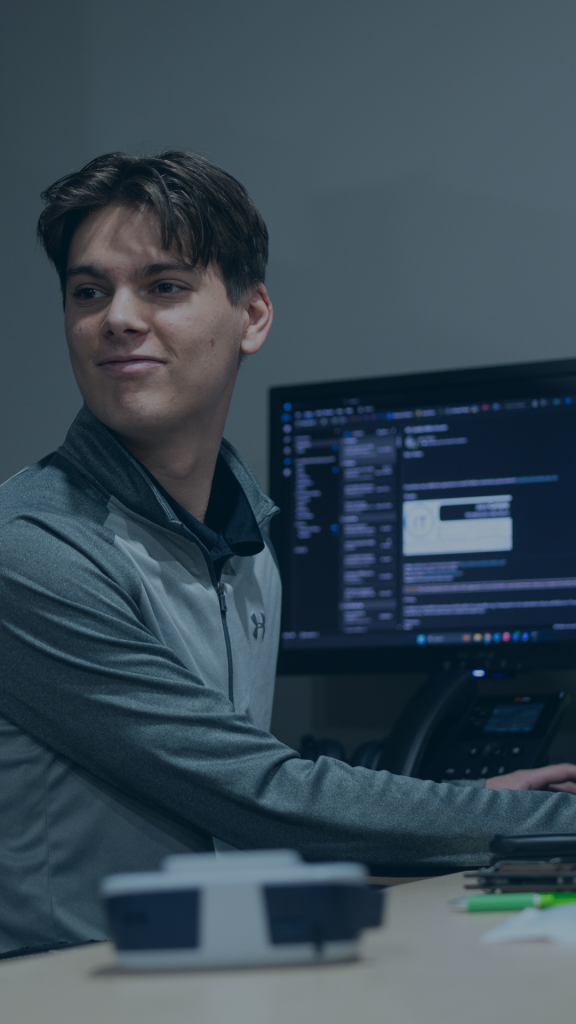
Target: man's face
<point>155,345</point>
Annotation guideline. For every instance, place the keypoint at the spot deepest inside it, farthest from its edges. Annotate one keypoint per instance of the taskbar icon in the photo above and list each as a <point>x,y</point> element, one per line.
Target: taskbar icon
<point>498,637</point>
<point>505,637</point>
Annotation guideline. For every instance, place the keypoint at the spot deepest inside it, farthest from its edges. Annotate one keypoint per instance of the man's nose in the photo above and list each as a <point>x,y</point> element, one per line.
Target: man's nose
<point>124,315</point>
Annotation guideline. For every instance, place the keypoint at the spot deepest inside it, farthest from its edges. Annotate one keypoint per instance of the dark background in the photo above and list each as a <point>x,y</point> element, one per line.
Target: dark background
<point>415,163</point>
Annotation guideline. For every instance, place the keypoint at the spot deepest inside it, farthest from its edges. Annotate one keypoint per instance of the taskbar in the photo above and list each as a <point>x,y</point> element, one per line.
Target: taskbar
<point>516,636</point>
<point>306,640</point>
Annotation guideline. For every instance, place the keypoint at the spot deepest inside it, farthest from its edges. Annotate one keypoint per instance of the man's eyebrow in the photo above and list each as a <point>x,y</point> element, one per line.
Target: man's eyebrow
<point>85,270</point>
<point>160,268</point>
<point>90,270</point>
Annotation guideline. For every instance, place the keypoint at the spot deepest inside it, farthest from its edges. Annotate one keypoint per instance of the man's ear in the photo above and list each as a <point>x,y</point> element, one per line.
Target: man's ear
<point>259,309</point>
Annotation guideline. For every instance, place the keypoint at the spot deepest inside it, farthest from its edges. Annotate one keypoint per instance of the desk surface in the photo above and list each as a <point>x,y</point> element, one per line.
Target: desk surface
<point>425,966</point>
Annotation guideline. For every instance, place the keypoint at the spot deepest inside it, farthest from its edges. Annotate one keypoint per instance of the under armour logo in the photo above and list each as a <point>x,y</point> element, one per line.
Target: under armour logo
<point>258,625</point>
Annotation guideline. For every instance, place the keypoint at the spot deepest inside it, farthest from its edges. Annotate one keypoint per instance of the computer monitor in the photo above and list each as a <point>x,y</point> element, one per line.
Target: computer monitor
<point>427,521</point>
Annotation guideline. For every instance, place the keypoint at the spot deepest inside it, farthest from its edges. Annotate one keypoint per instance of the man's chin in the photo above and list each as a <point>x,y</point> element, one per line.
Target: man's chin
<point>133,420</point>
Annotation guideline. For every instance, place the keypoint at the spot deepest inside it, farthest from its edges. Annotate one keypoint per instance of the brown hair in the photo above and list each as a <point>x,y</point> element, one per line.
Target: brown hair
<point>202,211</point>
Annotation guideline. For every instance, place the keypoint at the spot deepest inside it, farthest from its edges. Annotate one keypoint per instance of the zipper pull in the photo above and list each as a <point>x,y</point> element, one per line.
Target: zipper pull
<point>222,598</point>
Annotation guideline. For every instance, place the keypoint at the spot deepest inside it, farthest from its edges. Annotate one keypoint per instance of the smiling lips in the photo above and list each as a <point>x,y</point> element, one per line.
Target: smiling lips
<point>130,364</point>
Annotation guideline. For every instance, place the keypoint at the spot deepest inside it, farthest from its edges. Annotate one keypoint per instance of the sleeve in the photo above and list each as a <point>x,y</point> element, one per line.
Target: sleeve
<point>83,675</point>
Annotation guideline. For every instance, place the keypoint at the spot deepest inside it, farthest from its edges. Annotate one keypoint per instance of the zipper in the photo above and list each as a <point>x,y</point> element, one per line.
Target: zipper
<point>220,590</point>
<point>219,587</point>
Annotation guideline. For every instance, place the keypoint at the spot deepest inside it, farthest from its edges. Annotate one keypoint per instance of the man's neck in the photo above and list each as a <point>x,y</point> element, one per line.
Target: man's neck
<point>184,467</point>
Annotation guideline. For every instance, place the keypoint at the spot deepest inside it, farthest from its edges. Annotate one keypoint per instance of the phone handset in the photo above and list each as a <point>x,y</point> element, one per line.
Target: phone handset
<point>429,714</point>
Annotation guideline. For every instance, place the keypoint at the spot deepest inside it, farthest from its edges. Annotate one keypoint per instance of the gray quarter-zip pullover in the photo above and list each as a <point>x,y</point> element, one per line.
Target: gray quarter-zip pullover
<point>135,699</point>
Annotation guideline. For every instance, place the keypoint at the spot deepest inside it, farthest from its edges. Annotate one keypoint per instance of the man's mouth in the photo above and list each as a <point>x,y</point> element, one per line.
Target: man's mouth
<point>130,364</point>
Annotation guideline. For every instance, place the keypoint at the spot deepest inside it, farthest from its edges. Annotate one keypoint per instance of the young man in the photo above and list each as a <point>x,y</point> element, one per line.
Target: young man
<point>136,693</point>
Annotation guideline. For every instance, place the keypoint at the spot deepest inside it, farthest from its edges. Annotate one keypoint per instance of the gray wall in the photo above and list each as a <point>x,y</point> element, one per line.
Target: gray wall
<point>415,163</point>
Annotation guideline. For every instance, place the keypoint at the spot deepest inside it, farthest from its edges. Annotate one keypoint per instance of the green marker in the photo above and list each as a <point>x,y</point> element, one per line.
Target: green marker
<point>512,900</point>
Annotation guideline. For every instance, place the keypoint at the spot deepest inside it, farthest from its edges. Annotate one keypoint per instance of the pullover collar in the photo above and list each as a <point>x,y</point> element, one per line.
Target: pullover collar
<point>97,453</point>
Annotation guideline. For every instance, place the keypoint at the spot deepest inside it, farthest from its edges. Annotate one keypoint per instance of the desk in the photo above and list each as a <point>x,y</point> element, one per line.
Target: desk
<point>424,967</point>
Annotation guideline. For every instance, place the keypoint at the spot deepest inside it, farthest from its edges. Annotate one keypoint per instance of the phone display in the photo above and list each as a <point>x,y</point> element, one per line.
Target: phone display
<point>515,717</point>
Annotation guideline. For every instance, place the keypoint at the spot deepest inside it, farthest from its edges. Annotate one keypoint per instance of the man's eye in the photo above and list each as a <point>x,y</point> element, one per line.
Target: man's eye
<point>167,288</point>
<point>87,293</point>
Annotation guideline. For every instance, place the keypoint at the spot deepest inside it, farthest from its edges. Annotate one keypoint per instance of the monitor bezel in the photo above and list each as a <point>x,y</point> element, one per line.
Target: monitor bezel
<point>500,382</point>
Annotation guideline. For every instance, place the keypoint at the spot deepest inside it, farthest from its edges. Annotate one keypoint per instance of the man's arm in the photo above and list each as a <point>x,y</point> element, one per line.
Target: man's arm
<point>82,673</point>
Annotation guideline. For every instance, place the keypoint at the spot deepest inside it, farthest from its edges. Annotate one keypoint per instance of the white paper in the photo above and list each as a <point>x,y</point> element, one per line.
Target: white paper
<point>553,924</point>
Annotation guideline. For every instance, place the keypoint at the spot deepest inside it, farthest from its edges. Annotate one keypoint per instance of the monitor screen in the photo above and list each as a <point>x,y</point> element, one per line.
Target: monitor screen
<point>433,511</point>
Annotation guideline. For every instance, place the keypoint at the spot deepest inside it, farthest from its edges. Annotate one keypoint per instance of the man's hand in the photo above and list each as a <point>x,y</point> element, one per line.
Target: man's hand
<point>556,778</point>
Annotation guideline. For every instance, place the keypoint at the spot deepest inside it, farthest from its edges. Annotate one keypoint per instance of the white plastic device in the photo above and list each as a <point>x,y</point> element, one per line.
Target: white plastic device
<point>238,909</point>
